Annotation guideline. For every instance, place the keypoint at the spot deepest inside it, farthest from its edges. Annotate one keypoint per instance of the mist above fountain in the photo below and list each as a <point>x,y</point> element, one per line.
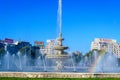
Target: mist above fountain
<point>107,63</point>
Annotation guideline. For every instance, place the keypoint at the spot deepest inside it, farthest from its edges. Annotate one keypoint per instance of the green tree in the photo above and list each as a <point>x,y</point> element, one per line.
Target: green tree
<point>77,56</point>
<point>2,52</point>
<point>101,51</point>
<point>25,50</point>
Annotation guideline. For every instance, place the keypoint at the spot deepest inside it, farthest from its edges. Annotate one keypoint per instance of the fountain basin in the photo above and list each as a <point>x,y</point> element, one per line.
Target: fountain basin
<point>60,47</point>
<point>57,56</point>
<point>58,75</point>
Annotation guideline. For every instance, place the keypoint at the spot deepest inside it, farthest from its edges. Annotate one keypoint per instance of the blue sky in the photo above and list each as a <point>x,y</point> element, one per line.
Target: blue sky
<point>83,20</point>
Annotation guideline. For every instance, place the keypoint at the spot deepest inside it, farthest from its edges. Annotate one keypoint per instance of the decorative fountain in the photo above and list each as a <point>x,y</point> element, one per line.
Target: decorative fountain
<point>60,61</point>
<point>47,64</point>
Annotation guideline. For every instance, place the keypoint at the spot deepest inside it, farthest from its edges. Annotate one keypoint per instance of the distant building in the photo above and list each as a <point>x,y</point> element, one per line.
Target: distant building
<point>110,45</point>
<point>39,44</point>
<point>15,47</point>
<point>50,46</point>
<point>2,45</point>
<point>9,44</point>
<point>114,48</point>
<point>7,41</point>
<point>101,43</point>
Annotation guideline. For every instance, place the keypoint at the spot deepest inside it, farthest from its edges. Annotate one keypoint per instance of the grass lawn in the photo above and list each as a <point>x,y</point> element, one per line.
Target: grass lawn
<point>6,78</point>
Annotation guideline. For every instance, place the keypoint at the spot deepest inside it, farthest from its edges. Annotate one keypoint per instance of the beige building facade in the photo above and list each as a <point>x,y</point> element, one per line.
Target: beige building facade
<point>110,45</point>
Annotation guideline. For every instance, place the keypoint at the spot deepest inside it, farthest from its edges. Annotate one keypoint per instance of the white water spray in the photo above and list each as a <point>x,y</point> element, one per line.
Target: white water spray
<point>60,15</point>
